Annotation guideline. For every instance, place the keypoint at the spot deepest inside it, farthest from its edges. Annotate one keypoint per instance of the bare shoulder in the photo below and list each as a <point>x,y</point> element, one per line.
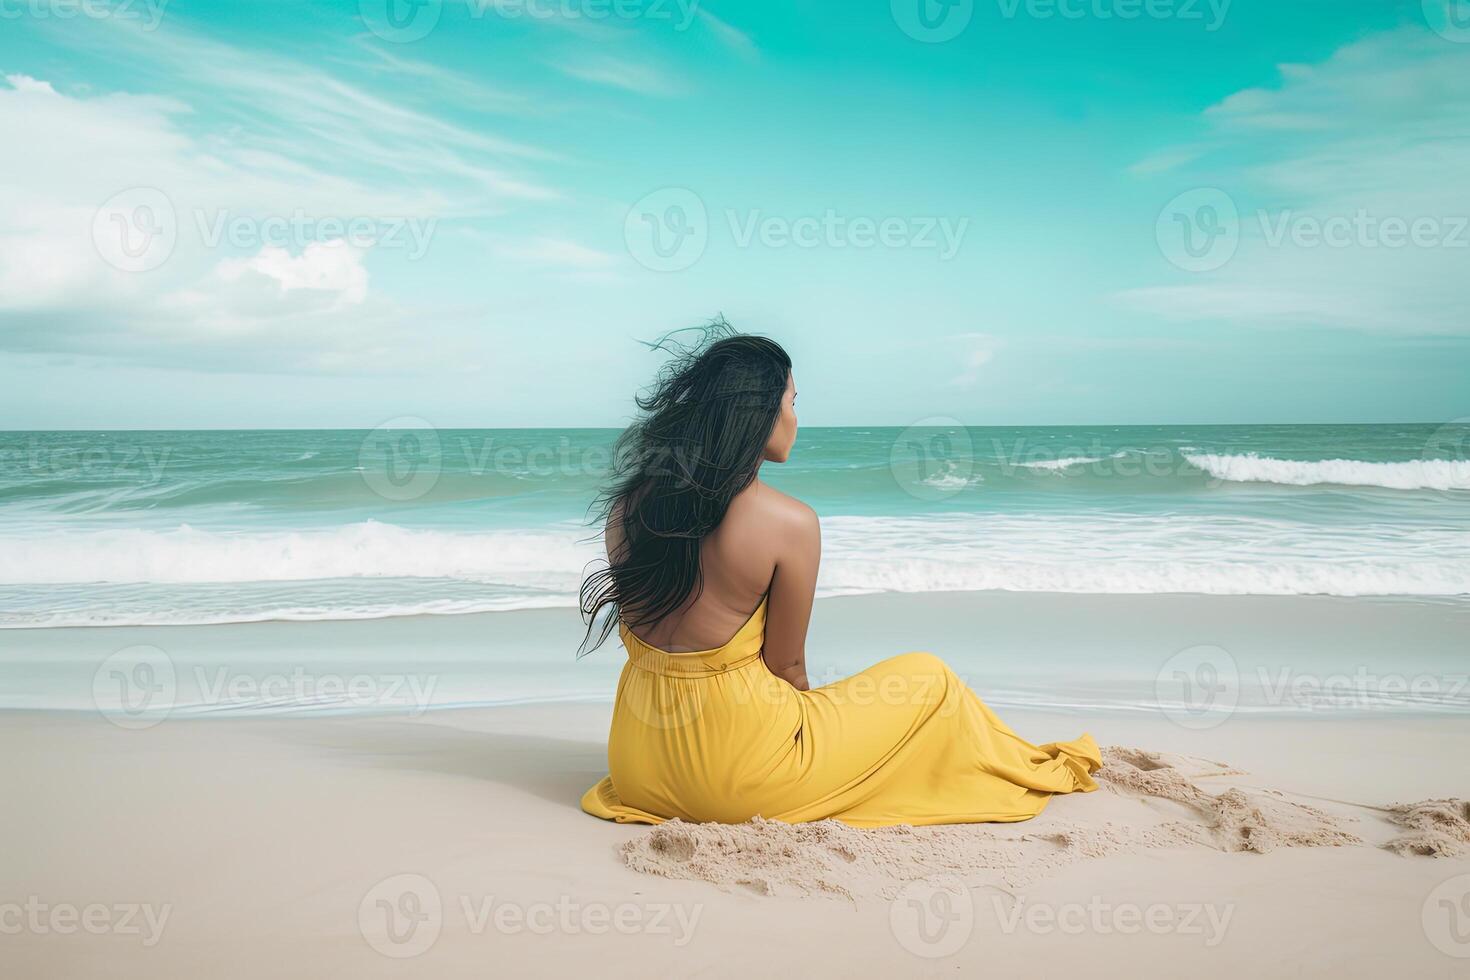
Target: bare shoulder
<point>762,504</point>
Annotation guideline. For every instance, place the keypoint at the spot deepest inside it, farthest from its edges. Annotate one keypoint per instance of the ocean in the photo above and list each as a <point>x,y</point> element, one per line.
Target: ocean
<point>135,530</point>
<point>129,528</point>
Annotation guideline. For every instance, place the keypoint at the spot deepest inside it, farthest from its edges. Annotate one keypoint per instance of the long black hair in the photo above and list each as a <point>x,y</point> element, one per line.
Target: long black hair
<point>698,441</point>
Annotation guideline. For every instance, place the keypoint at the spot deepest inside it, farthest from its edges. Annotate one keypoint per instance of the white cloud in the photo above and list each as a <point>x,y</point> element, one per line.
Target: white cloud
<point>25,83</point>
<point>1373,137</point>
<point>282,142</point>
<point>333,268</point>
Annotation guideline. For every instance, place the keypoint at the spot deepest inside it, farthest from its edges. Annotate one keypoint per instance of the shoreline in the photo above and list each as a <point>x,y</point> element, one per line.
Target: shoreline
<point>1284,655</point>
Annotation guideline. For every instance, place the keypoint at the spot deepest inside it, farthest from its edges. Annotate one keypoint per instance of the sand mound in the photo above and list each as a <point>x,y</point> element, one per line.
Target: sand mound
<point>1437,828</point>
<point>831,858</point>
<point>1235,820</point>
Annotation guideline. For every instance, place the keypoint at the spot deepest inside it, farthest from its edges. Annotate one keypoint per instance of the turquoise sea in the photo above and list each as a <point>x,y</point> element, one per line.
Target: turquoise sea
<point>119,528</point>
<point>384,569</point>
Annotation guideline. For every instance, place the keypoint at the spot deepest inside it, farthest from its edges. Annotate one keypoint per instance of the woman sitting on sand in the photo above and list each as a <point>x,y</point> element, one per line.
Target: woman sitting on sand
<point>710,577</point>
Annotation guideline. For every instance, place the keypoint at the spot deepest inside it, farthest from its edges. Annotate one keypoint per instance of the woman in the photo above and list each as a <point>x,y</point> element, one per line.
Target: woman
<point>712,573</point>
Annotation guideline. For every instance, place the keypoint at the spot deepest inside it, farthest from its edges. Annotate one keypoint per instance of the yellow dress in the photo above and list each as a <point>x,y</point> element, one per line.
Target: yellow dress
<point>714,736</point>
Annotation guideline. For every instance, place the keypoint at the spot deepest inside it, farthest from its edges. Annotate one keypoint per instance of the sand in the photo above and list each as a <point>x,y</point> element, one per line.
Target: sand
<point>829,858</point>
<point>450,845</point>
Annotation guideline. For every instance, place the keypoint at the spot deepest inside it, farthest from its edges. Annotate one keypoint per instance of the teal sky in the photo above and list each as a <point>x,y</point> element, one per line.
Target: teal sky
<point>1069,211</point>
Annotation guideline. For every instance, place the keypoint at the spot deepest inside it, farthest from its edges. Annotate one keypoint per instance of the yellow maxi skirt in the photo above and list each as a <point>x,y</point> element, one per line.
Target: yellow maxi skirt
<point>714,736</point>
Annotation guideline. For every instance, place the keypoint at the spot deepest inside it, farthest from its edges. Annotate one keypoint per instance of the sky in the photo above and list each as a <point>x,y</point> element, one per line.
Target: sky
<point>471,212</point>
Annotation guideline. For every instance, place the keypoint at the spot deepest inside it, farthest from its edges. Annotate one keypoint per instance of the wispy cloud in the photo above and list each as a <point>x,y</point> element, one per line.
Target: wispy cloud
<point>618,73</point>
<point>1329,170</point>
<point>731,36</point>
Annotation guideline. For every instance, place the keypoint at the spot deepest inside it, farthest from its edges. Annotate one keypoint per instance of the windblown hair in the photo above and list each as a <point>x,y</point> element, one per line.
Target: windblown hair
<point>698,442</point>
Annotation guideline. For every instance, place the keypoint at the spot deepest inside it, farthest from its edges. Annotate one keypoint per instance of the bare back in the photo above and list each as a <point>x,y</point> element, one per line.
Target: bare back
<point>767,546</point>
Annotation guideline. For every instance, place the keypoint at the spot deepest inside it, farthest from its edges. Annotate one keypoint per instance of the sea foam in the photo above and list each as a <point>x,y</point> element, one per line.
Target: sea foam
<point>1419,474</point>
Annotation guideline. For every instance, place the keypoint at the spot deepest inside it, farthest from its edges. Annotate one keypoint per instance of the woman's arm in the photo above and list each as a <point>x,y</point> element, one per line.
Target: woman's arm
<point>793,586</point>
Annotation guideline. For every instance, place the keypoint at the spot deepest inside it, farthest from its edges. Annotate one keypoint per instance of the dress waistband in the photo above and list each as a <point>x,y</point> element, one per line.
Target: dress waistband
<point>741,650</point>
<point>689,664</point>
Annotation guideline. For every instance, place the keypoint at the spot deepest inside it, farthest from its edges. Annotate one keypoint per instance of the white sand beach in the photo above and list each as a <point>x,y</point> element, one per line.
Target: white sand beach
<point>450,844</point>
